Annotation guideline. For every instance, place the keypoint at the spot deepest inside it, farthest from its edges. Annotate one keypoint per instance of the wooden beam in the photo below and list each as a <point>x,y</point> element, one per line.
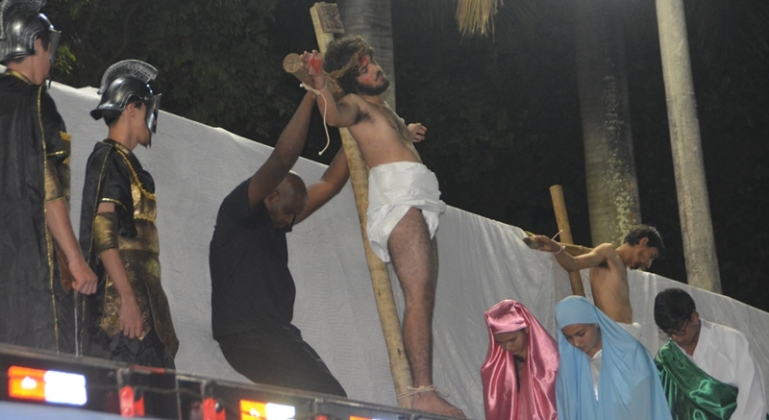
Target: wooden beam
<point>562,218</point>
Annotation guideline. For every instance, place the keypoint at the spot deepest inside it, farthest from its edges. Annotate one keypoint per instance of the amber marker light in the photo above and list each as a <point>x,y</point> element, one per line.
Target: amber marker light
<point>254,410</point>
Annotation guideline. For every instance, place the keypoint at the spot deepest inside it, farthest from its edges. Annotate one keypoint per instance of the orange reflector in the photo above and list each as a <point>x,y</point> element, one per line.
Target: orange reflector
<point>253,410</point>
<point>359,418</point>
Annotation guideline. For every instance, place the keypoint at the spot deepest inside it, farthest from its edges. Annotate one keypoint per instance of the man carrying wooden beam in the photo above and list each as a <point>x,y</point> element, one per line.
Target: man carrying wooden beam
<point>608,270</point>
<point>404,200</point>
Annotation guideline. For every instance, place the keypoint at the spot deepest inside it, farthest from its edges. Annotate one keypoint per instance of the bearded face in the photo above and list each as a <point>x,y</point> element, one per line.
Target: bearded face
<point>369,90</point>
<point>371,80</point>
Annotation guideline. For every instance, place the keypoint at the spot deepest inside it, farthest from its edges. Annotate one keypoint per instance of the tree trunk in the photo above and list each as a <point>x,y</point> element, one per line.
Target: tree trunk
<point>609,165</point>
<point>372,19</point>
<point>693,203</point>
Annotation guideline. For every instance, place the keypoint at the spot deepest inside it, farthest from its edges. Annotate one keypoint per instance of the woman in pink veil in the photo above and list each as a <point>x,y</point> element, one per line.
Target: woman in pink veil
<point>521,366</point>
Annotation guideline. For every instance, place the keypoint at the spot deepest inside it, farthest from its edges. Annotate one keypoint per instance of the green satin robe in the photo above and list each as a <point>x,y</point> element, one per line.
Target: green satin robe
<point>691,393</point>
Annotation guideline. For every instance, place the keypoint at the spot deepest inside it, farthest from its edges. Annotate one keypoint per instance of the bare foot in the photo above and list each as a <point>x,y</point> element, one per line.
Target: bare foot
<point>431,402</point>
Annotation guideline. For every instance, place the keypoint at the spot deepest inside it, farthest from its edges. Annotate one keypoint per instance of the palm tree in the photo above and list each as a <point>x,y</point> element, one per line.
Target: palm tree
<point>693,204</point>
<point>610,167</point>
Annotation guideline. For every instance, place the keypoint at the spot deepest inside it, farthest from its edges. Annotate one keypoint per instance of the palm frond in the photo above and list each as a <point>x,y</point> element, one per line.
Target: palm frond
<point>476,17</point>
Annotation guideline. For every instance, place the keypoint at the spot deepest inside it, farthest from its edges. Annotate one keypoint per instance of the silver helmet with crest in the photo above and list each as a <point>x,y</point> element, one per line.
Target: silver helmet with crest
<point>21,23</point>
<point>126,80</point>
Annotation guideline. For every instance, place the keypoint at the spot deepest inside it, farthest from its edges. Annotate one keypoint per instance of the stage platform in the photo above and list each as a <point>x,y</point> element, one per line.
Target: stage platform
<point>44,385</point>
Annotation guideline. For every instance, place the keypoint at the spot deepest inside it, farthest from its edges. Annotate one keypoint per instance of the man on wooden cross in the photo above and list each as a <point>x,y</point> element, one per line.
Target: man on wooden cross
<point>608,270</point>
<point>404,199</point>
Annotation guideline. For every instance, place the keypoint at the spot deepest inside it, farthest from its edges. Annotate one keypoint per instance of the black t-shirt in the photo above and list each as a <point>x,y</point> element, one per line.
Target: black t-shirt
<point>250,280</point>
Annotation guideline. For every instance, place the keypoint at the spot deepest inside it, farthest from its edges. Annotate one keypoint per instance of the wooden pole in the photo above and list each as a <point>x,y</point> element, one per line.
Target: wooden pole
<point>562,218</point>
<point>327,14</point>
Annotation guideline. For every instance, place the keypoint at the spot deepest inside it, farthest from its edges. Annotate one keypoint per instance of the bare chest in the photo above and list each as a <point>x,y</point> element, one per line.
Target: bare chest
<point>383,136</point>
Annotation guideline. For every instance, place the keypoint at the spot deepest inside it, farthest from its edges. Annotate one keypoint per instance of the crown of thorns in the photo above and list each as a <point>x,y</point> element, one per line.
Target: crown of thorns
<point>352,63</point>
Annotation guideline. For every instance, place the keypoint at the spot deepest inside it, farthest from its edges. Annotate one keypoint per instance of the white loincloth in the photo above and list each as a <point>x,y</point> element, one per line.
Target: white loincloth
<point>633,329</point>
<point>393,188</point>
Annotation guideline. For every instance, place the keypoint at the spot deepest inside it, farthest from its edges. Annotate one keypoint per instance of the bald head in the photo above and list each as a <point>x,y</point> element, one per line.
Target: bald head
<point>287,201</point>
<point>295,183</point>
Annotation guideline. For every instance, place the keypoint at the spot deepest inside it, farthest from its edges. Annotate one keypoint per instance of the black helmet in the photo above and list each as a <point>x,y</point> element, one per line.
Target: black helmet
<point>125,80</point>
<point>21,23</point>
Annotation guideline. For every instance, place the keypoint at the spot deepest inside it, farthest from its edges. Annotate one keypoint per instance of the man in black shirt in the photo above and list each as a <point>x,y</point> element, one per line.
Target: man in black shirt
<point>253,293</point>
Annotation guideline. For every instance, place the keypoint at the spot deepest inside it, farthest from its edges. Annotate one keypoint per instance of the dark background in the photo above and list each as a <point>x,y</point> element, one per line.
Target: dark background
<point>502,112</point>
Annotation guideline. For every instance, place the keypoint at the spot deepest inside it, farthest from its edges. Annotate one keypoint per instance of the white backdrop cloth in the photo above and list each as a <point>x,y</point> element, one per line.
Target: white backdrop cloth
<point>481,262</point>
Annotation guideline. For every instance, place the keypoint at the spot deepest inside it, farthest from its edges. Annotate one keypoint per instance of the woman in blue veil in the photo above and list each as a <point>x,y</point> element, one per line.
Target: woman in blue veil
<point>605,373</point>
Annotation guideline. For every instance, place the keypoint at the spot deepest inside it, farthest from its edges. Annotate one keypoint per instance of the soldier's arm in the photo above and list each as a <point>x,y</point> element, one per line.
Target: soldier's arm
<point>105,236</point>
<point>57,220</point>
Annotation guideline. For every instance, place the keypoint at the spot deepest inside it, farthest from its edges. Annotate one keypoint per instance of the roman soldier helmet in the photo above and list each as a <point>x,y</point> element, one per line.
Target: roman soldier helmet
<point>123,81</point>
<point>21,23</point>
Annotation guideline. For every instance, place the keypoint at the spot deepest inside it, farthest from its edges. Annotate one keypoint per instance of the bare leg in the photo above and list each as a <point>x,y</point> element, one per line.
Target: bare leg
<point>415,259</point>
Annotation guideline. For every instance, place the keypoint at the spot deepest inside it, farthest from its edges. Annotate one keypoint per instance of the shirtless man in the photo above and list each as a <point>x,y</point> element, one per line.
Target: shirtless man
<point>608,269</point>
<point>404,200</point>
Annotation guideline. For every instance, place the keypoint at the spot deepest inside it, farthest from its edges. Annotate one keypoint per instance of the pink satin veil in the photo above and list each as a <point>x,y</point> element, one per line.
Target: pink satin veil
<point>536,397</point>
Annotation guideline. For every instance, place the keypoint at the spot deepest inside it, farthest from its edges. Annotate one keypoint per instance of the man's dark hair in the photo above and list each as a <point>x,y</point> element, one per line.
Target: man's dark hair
<point>672,308</point>
<point>45,38</point>
<point>650,232</point>
<point>112,115</point>
<point>342,61</point>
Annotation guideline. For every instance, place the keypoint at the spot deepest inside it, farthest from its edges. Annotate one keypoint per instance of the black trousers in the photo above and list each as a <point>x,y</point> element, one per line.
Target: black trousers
<point>277,355</point>
<point>147,352</point>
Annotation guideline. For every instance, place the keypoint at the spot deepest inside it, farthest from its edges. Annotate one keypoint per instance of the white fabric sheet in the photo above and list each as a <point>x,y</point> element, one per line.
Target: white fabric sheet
<point>481,263</point>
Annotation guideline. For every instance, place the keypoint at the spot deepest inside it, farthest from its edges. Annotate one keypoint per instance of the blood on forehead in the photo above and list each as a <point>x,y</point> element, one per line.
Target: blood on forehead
<point>364,61</point>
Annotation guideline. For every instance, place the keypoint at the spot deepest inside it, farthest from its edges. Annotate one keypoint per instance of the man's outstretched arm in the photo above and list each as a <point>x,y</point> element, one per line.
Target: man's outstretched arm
<point>286,152</point>
<point>329,185</point>
<point>338,114</point>
<point>593,258</point>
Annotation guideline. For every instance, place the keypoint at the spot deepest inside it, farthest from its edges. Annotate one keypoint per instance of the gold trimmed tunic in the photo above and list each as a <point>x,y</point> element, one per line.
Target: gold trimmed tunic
<point>115,175</point>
